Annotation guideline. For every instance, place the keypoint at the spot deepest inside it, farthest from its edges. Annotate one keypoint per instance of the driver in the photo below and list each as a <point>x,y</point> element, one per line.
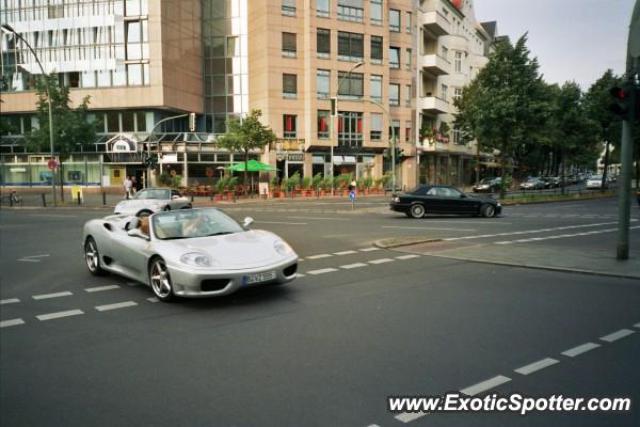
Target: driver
<point>143,225</point>
<point>198,225</point>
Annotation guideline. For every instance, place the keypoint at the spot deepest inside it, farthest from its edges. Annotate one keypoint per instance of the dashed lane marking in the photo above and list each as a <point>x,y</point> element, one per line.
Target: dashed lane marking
<point>153,299</point>
<point>428,228</point>
<point>321,271</point>
<point>281,222</point>
<point>369,249</point>
<point>11,322</point>
<point>9,301</point>
<point>33,258</point>
<point>637,325</point>
<point>319,256</point>
<point>54,295</point>
<point>578,350</point>
<point>318,218</point>
<point>351,266</point>
<point>561,236</point>
<point>345,253</point>
<point>411,256</point>
<point>407,417</point>
<point>102,288</point>
<point>615,336</point>
<point>485,385</point>
<point>381,261</point>
<point>116,306</point>
<point>536,366</point>
<point>59,314</point>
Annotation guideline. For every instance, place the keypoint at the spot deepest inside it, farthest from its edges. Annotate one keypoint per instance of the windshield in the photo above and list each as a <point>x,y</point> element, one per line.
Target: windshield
<point>596,178</point>
<point>187,224</point>
<point>152,194</point>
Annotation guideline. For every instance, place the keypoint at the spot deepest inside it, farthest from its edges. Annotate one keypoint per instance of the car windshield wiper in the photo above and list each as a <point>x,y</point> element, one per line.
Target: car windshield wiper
<point>175,237</point>
<point>219,233</point>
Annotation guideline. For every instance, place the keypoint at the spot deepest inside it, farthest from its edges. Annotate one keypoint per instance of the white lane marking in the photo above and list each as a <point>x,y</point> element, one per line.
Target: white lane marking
<point>153,299</point>
<point>536,366</point>
<point>561,236</point>
<point>318,218</point>
<point>300,259</point>
<point>116,306</point>
<point>300,275</point>
<point>356,265</point>
<point>59,314</point>
<point>102,288</point>
<point>615,336</point>
<point>54,295</point>
<point>9,301</point>
<point>578,350</point>
<point>411,256</point>
<point>637,325</point>
<point>319,256</point>
<point>407,417</point>
<point>381,261</point>
<point>428,228</point>
<point>33,258</point>
<point>322,271</point>
<point>485,385</point>
<point>535,231</point>
<point>345,253</point>
<point>11,322</point>
<point>281,222</point>
<point>369,249</point>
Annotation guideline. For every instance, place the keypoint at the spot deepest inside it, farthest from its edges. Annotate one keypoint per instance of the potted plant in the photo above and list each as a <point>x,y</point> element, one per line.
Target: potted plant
<point>284,185</point>
<point>368,183</point>
<point>306,186</point>
<point>317,183</point>
<point>220,186</point>
<point>293,184</point>
<point>274,187</point>
<point>232,183</point>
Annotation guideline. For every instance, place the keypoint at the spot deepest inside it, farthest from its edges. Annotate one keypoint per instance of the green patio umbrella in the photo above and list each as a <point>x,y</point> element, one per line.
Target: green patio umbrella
<point>252,166</point>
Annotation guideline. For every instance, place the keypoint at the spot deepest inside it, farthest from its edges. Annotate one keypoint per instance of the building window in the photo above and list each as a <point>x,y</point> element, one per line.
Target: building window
<point>408,58</point>
<point>394,20</point>
<point>376,88</point>
<point>457,93</point>
<point>351,10</point>
<point>394,94</point>
<point>289,45</point>
<point>376,12</point>
<point>350,129</point>
<point>407,95</point>
<point>394,130</point>
<point>289,7</point>
<point>376,49</point>
<point>457,136</point>
<point>350,46</point>
<point>289,126</point>
<point>457,62</point>
<point>323,78</point>
<point>444,52</point>
<point>351,85</point>
<point>323,124</point>
<point>376,127</point>
<point>322,8</point>
<point>409,22</point>
<point>323,40</point>
<point>443,92</point>
<point>289,85</point>
<point>408,131</point>
<point>394,57</point>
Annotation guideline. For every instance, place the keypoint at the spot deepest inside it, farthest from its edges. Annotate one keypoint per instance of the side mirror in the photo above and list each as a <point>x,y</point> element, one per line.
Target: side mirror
<point>135,232</point>
<point>247,221</point>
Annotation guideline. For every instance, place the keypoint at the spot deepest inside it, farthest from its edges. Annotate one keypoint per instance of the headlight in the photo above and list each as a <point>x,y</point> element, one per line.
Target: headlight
<point>196,259</point>
<point>283,248</point>
<point>396,199</point>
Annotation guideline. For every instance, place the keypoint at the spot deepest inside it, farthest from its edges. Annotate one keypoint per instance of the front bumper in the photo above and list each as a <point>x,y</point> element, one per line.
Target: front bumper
<point>187,281</point>
<point>400,207</point>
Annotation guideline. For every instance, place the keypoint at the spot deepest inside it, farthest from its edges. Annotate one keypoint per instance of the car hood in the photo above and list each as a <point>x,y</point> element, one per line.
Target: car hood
<point>249,249</point>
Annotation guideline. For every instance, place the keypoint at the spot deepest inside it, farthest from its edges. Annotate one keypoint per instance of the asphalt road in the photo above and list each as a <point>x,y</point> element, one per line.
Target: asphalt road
<point>360,325</point>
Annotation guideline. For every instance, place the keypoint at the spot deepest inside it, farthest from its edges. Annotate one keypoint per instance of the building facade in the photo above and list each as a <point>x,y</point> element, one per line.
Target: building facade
<point>393,67</point>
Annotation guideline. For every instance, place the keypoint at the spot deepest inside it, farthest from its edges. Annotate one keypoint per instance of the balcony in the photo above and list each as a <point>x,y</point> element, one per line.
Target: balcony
<point>433,105</point>
<point>287,145</point>
<point>434,64</point>
<point>436,23</point>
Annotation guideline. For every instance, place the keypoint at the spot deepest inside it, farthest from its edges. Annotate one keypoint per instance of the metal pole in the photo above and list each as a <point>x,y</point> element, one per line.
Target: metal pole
<point>393,158</point>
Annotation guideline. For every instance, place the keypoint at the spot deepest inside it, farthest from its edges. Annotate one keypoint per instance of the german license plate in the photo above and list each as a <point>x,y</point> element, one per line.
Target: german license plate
<point>259,277</point>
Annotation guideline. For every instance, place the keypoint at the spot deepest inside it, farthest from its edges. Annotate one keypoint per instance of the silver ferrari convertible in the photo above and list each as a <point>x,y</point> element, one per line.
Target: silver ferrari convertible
<point>188,253</point>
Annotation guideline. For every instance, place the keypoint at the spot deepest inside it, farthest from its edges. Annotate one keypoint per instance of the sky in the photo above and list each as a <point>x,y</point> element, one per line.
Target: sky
<point>574,40</point>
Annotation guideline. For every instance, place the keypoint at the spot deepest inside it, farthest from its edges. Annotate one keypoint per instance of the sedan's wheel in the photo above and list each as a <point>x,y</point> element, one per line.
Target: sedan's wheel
<point>92,257</point>
<point>160,280</point>
<point>417,211</point>
<point>488,211</point>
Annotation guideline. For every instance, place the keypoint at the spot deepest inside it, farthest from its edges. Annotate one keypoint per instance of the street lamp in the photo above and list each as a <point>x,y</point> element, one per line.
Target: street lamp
<point>8,29</point>
<point>392,145</point>
<point>331,130</point>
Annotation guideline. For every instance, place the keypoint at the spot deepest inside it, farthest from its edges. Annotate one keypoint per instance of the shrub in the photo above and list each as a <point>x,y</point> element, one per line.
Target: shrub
<point>306,182</point>
<point>293,181</point>
<point>317,181</point>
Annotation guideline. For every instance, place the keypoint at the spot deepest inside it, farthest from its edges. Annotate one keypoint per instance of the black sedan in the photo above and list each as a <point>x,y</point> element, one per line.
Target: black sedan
<point>443,199</point>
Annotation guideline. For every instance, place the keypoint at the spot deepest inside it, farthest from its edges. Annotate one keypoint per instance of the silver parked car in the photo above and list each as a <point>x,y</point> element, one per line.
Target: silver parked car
<point>595,182</point>
<point>150,200</point>
<point>532,184</point>
<point>189,253</point>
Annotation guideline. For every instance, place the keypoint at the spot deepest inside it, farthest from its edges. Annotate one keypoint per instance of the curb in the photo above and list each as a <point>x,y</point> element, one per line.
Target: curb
<point>394,242</point>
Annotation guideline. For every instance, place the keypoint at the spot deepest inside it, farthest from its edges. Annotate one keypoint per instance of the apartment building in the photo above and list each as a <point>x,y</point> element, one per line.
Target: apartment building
<point>452,48</point>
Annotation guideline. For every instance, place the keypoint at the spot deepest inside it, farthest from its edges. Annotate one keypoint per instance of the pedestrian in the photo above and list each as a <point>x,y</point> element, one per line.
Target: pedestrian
<point>353,185</point>
<point>134,185</point>
<point>127,187</point>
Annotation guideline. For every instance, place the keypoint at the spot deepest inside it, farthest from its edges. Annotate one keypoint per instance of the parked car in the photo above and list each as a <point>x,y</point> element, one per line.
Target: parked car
<point>532,184</point>
<point>190,253</point>
<point>151,200</point>
<point>488,185</point>
<point>595,183</point>
<point>553,181</point>
<point>443,199</point>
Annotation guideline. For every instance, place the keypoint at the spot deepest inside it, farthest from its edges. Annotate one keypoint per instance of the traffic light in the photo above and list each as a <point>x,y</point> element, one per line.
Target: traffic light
<point>150,160</point>
<point>622,102</point>
<point>399,154</point>
<point>192,122</point>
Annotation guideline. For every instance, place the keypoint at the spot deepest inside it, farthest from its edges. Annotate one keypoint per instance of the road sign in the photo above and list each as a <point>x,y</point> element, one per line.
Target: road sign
<point>52,164</point>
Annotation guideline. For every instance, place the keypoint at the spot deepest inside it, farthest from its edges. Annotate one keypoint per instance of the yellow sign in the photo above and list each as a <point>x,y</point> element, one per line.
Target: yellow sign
<point>76,191</point>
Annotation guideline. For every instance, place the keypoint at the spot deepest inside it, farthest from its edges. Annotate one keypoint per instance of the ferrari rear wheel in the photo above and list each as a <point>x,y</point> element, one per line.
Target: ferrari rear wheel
<point>160,280</point>
<point>92,257</point>
<point>417,211</point>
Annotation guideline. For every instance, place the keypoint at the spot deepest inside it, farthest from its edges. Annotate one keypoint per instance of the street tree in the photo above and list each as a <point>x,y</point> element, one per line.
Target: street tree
<point>245,135</point>
<point>71,127</point>
<point>504,107</point>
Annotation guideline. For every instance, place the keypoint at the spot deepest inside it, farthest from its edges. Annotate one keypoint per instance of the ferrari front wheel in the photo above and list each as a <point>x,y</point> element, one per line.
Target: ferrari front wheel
<point>92,257</point>
<point>160,280</point>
